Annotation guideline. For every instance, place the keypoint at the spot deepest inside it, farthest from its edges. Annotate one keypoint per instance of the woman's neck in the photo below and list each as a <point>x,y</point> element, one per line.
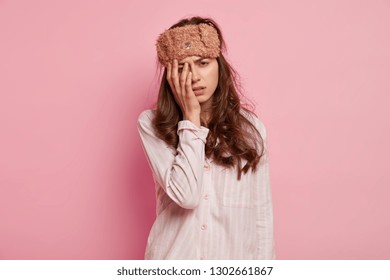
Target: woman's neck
<point>206,111</point>
<point>205,115</point>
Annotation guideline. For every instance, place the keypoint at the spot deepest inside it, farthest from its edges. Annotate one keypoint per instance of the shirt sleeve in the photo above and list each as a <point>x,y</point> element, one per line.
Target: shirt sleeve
<point>264,220</point>
<point>179,172</point>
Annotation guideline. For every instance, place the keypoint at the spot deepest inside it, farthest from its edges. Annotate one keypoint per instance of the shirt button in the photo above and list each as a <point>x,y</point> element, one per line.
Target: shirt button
<point>203,227</point>
<point>202,258</point>
<point>206,197</point>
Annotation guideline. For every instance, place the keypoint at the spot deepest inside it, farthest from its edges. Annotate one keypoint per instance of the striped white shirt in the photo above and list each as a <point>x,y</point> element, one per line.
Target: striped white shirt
<point>203,211</point>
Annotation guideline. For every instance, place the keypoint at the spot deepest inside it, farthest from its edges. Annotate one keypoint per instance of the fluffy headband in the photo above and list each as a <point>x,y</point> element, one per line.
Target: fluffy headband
<point>180,42</point>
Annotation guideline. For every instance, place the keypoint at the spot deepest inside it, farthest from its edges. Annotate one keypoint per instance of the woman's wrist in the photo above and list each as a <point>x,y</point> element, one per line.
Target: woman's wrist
<point>194,118</point>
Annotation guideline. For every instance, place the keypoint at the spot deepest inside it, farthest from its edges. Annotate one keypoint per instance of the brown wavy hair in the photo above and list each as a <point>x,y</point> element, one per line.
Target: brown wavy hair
<point>232,137</point>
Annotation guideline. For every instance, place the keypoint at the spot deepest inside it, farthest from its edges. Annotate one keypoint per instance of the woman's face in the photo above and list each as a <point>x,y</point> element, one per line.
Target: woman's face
<point>204,77</point>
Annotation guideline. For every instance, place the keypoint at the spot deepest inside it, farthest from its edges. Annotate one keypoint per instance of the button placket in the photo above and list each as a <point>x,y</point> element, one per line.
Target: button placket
<point>205,209</point>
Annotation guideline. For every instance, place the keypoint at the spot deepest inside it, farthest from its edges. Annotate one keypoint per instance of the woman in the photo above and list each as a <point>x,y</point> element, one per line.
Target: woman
<point>207,154</point>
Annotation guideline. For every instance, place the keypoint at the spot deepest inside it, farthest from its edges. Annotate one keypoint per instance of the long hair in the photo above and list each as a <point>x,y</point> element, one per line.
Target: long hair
<point>232,137</point>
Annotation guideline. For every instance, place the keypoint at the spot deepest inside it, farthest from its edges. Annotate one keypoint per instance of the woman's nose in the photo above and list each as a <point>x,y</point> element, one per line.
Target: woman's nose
<point>195,77</point>
<point>195,74</point>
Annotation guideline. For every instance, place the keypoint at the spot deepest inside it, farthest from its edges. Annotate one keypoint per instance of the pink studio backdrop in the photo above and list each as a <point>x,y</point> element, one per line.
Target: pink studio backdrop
<point>75,75</point>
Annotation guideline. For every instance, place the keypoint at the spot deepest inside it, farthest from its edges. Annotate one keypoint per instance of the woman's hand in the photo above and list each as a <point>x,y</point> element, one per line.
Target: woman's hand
<point>181,86</point>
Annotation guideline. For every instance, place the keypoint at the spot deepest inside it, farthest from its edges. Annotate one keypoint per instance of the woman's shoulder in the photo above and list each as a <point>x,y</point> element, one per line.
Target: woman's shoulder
<point>145,121</point>
<point>146,116</point>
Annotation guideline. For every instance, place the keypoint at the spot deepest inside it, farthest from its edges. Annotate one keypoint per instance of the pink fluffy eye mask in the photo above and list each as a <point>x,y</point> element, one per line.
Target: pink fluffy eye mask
<point>180,42</point>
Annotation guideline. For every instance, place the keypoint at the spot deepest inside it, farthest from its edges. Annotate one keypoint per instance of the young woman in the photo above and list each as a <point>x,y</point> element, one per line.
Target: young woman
<point>207,154</point>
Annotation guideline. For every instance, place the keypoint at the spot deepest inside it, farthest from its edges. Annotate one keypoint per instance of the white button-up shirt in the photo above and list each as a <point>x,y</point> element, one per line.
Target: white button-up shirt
<point>203,211</point>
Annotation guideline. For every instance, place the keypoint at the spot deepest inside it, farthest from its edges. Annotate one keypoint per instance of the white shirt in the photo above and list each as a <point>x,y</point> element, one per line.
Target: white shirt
<point>203,211</point>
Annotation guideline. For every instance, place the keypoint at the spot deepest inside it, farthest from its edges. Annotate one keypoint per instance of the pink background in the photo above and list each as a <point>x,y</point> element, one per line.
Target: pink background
<point>74,182</point>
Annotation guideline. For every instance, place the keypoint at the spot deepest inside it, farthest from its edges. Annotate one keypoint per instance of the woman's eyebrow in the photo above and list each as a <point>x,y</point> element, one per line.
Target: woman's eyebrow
<point>196,60</point>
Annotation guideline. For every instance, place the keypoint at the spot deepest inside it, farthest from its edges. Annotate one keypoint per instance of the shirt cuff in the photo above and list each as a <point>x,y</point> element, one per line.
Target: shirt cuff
<point>200,132</point>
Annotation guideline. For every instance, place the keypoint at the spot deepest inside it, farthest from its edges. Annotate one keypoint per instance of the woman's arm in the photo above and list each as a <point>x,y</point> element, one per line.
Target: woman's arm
<point>264,220</point>
<point>180,172</point>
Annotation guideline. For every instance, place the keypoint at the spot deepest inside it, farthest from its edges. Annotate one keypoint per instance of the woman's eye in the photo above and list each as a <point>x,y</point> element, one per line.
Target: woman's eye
<point>204,63</point>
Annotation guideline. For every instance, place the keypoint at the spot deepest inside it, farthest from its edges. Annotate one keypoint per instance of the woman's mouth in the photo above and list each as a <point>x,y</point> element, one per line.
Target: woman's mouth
<point>198,90</point>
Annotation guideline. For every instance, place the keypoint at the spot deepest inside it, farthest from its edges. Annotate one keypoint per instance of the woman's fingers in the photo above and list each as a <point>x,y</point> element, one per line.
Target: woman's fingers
<point>169,75</point>
<point>175,77</point>
<point>187,82</point>
<point>183,78</point>
<point>181,86</point>
<point>188,85</point>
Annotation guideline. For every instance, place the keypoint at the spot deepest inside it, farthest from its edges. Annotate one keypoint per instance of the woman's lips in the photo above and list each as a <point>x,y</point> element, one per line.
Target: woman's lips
<point>198,91</point>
